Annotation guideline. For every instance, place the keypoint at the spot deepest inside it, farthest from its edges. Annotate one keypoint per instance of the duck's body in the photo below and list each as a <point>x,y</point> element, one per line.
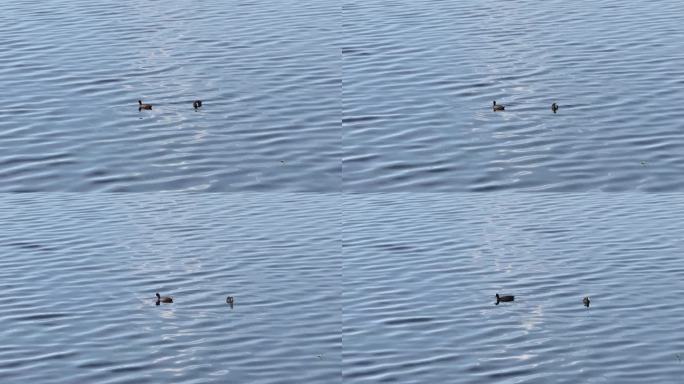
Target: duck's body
<point>586,301</point>
<point>497,107</point>
<point>143,106</point>
<point>554,107</point>
<point>164,299</point>
<point>504,298</point>
<point>197,104</point>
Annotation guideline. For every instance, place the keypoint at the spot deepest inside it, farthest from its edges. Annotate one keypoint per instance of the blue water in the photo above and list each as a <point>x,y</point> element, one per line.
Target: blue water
<point>345,104</point>
<point>421,272</point>
<point>78,274</point>
<point>71,74</point>
<point>420,77</point>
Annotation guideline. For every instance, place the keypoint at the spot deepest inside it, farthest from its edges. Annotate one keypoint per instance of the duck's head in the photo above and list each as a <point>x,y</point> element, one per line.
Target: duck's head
<point>158,295</point>
<point>140,102</point>
<point>494,102</point>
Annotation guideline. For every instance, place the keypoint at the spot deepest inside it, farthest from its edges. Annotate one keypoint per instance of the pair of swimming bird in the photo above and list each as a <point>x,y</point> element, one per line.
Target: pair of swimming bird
<point>230,300</point>
<point>498,107</point>
<point>504,298</point>
<point>195,104</point>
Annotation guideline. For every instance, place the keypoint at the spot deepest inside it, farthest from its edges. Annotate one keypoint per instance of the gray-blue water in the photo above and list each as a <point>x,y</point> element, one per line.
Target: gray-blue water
<point>71,74</point>
<point>410,84</point>
<point>420,77</point>
<point>78,274</point>
<point>358,96</point>
<point>421,272</point>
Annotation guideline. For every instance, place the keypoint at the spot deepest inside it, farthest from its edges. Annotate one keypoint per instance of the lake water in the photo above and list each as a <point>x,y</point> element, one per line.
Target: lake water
<point>420,77</point>
<point>71,74</point>
<point>421,272</point>
<point>335,101</point>
<point>78,274</point>
<point>396,94</point>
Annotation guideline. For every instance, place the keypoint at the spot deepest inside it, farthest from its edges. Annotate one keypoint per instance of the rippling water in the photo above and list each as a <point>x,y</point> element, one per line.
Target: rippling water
<point>420,77</point>
<point>367,96</point>
<point>421,271</point>
<point>71,73</point>
<point>78,276</point>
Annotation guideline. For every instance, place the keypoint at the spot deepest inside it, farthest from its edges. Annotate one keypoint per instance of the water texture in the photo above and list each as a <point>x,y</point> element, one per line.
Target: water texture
<point>421,271</point>
<point>78,276</point>
<point>420,78</point>
<point>72,72</point>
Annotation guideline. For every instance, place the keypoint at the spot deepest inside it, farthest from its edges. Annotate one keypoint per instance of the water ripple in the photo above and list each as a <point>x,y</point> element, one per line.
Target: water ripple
<point>78,275</point>
<point>421,271</point>
<point>72,72</point>
<point>420,77</point>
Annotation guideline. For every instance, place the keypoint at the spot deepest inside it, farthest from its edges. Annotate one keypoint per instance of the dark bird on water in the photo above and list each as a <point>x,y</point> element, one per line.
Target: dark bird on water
<point>163,299</point>
<point>230,300</point>
<point>497,107</point>
<point>142,106</point>
<point>554,107</point>
<point>197,104</point>
<point>586,301</point>
<point>503,298</point>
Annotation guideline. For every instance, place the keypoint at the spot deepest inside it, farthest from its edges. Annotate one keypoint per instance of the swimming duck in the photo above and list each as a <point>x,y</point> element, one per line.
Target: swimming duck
<point>586,301</point>
<point>504,298</point>
<point>230,300</point>
<point>164,299</point>
<point>143,106</point>
<point>196,104</point>
<point>497,107</point>
<point>554,107</point>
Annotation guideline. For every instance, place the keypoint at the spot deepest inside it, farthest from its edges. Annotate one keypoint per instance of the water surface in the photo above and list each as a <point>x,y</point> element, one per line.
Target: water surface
<point>72,72</point>
<point>421,272</point>
<point>78,276</point>
<point>420,78</point>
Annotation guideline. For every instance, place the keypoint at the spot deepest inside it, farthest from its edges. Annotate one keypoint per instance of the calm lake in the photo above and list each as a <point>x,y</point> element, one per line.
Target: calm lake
<point>421,272</point>
<point>78,274</point>
<point>72,72</point>
<point>327,122</point>
<point>420,77</point>
<point>395,94</point>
